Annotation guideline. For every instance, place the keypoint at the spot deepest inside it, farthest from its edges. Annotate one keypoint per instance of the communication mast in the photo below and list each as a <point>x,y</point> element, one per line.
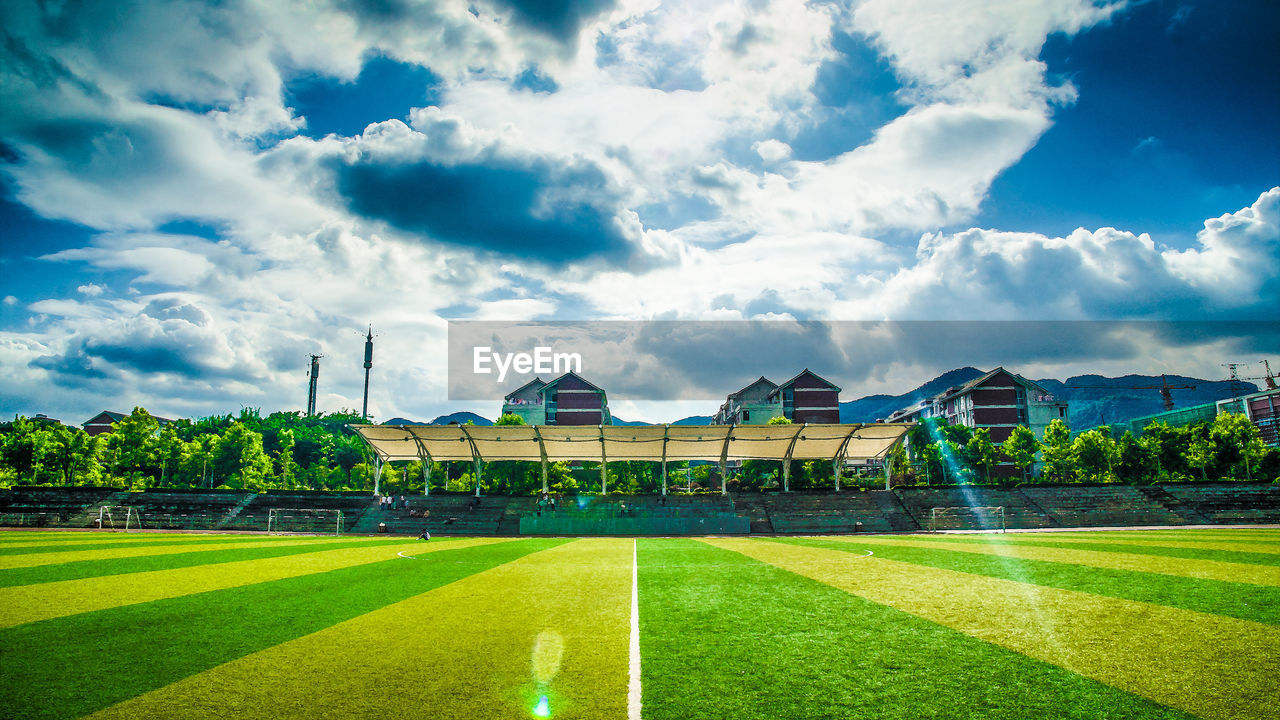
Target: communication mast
<point>368,364</point>
<point>311,391</point>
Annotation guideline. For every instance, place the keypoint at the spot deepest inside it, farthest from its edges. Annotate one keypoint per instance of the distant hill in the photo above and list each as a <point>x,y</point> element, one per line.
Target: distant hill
<point>1090,407</point>
<point>619,421</point>
<point>459,417</point>
<point>879,407</point>
<point>694,420</point>
<point>1117,403</point>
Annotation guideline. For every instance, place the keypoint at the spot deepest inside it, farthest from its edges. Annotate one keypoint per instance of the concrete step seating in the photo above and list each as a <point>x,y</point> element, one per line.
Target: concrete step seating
<point>256,515</point>
<point>161,510</point>
<point>47,506</point>
<point>1101,506</point>
<point>1231,502</point>
<point>1018,510</point>
<point>825,512</point>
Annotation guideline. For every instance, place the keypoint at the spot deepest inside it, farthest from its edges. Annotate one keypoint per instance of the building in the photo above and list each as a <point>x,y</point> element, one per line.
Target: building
<point>752,405</point>
<point>101,423</point>
<point>998,401</point>
<point>1262,409</point>
<point>805,398</point>
<point>566,400</point>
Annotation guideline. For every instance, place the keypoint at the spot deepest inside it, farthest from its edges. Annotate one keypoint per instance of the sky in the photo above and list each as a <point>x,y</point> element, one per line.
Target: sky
<point>195,196</point>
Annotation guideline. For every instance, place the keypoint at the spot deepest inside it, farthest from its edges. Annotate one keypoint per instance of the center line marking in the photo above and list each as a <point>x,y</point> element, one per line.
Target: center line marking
<point>633,687</point>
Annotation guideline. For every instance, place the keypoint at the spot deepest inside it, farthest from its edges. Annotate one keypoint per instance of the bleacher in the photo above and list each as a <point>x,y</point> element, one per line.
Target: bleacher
<point>904,509</point>
<point>167,510</point>
<point>441,513</point>
<point>638,515</point>
<point>1101,506</point>
<point>1019,510</point>
<point>751,506</point>
<point>1230,503</point>
<point>256,514</point>
<point>814,512</point>
<point>47,506</point>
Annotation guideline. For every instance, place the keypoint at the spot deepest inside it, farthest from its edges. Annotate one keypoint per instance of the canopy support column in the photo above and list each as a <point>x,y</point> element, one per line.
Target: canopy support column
<point>377,474</point>
<point>724,462</point>
<point>425,457</point>
<point>475,456</point>
<point>835,470</point>
<point>786,459</point>
<point>665,430</point>
<point>542,452</point>
<point>604,466</point>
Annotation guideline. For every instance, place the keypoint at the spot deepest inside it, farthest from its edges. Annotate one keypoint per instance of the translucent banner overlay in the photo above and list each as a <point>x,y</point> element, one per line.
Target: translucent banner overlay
<point>671,360</point>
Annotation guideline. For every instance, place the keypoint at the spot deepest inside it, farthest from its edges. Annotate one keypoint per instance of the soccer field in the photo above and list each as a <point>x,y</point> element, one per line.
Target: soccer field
<point>1133,624</point>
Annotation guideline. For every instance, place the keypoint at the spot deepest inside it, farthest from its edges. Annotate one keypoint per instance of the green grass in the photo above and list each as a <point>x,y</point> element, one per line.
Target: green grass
<point>1239,600</point>
<point>762,628</point>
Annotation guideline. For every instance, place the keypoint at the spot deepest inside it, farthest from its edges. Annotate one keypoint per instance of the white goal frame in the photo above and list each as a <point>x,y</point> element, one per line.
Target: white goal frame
<point>107,518</point>
<point>275,515</point>
<point>992,512</point>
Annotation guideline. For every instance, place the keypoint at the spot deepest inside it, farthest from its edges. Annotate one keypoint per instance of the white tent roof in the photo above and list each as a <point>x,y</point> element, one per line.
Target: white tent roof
<point>654,443</point>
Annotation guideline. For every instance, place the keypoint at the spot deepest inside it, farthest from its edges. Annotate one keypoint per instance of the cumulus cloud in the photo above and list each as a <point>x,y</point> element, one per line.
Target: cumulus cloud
<point>588,158</point>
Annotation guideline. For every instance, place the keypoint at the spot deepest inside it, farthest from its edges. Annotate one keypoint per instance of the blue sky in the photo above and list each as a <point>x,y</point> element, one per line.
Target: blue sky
<point>194,196</point>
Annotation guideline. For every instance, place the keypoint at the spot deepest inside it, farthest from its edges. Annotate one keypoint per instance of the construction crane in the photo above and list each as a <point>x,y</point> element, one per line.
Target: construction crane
<point>1164,387</point>
<point>1269,377</point>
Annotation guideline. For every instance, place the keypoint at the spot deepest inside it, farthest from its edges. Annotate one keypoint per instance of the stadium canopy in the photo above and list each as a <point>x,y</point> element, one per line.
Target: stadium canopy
<point>838,444</point>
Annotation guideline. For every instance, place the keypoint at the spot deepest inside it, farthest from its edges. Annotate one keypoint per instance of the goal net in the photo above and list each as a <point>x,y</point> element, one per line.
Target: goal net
<point>119,517</point>
<point>305,520</point>
<point>967,518</point>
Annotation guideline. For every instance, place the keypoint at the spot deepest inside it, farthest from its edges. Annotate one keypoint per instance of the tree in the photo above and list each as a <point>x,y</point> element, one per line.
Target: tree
<point>1095,455</point>
<point>1021,448</point>
<point>780,420</point>
<point>981,451</point>
<point>1238,442</point>
<point>1056,452</point>
<point>287,468</point>
<point>239,460</point>
<point>20,447</point>
<point>1137,464</point>
<point>134,439</point>
<point>169,451</point>
<point>1199,454</point>
<point>510,419</point>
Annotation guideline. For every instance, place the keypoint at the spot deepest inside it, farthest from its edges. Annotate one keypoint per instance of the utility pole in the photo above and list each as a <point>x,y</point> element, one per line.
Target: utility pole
<point>368,364</point>
<point>311,391</point>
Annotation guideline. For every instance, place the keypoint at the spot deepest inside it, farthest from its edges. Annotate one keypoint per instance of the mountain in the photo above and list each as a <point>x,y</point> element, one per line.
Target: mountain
<point>879,407</point>
<point>694,420</point>
<point>459,417</point>
<point>1114,401</point>
<point>619,421</point>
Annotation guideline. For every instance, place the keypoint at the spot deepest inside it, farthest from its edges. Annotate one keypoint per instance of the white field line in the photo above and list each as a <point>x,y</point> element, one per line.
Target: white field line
<point>406,557</point>
<point>633,687</point>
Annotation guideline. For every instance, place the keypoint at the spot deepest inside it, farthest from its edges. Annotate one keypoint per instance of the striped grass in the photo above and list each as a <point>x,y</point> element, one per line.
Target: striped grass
<point>1207,665</point>
<point>485,647</point>
<point>201,555</point>
<point>74,665</point>
<point>1258,603</point>
<point>31,603</point>
<point>725,635</point>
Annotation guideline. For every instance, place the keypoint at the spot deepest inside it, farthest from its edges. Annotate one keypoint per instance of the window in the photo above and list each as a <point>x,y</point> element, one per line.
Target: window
<point>1062,412</point>
<point>746,415</point>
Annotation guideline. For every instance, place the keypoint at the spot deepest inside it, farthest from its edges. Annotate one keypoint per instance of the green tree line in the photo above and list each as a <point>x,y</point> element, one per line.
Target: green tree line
<point>1226,448</point>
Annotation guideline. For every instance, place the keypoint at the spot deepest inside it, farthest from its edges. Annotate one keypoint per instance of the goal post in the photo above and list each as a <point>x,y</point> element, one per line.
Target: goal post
<point>305,520</point>
<point>119,517</point>
<point>967,517</point>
